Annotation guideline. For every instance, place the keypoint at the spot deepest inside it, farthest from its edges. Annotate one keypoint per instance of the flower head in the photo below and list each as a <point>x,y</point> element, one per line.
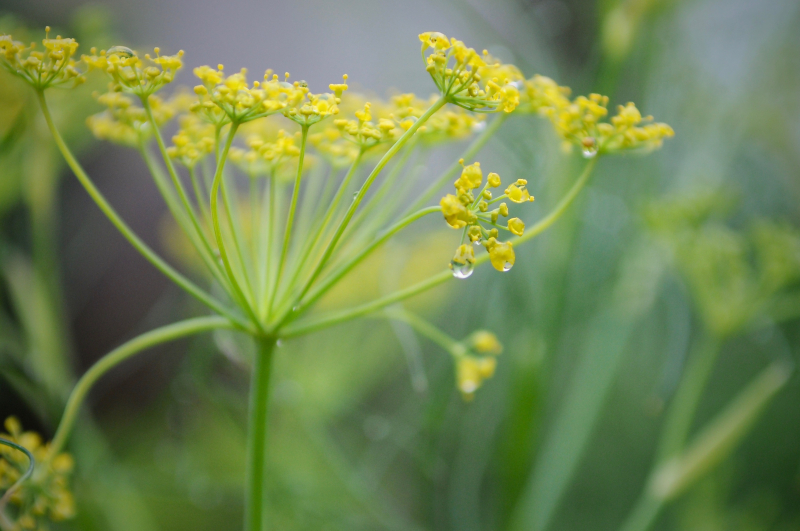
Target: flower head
<point>53,66</point>
<point>125,121</point>
<point>224,99</point>
<point>45,495</point>
<point>476,360</point>
<point>130,73</point>
<point>474,81</point>
<point>470,211</point>
<point>581,122</point>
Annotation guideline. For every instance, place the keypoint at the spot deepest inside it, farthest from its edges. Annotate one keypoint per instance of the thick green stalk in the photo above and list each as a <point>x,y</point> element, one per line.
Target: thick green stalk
<point>363,190</point>
<point>290,219</point>
<point>120,354</point>
<point>126,231</point>
<point>255,508</point>
<point>351,313</point>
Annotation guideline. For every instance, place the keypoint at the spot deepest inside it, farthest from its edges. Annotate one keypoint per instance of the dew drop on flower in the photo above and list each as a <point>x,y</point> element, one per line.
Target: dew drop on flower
<point>468,386</point>
<point>589,152</point>
<point>507,266</point>
<point>477,242</point>
<point>122,51</point>
<point>462,270</point>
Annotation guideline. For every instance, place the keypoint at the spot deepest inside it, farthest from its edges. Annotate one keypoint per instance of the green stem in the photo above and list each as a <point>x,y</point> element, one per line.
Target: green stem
<point>117,356</point>
<point>680,416</point>
<point>347,267</point>
<point>676,427</point>
<point>237,293</point>
<point>468,155</point>
<point>362,192</point>
<point>351,313</point>
<point>290,219</point>
<point>310,243</point>
<point>123,228</point>
<point>28,472</point>
<point>176,181</point>
<point>426,329</point>
<point>257,436</point>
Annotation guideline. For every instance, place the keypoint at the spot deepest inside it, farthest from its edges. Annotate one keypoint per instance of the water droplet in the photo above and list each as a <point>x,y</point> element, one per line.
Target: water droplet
<point>295,308</point>
<point>355,194</point>
<point>469,386</point>
<point>122,51</point>
<point>516,84</point>
<point>279,343</point>
<point>507,266</point>
<point>477,127</point>
<point>589,152</point>
<point>462,270</point>
<point>477,242</point>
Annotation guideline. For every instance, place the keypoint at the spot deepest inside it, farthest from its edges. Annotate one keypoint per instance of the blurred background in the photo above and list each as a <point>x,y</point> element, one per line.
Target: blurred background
<point>598,318</point>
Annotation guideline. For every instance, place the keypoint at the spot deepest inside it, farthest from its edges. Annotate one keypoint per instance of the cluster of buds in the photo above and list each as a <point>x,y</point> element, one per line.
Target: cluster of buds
<point>580,122</point>
<point>467,78</point>
<point>476,360</point>
<point>316,107</point>
<point>470,211</point>
<point>365,133</point>
<point>265,153</point>
<point>124,121</point>
<point>46,494</point>
<point>194,140</point>
<point>130,74</point>
<point>225,99</point>
<point>53,66</point>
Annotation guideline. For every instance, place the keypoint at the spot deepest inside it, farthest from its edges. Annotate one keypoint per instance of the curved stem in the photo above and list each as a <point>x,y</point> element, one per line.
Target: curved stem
<point>426,329</point>
<point>28,472</point>
<point>117,356</point>
<point>351,313</point>
<point>347,267</point>
<point>123,228</point>
<point>257,435</point>
<point>362,192</point>
<point>290,219</point>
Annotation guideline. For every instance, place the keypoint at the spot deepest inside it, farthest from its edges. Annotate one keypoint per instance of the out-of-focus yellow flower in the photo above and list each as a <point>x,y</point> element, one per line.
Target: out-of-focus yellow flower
<point>194,140</point>
<point>476,360</point>
<point>51,67</point>
<point>581,123</point>
<point>46,494</point>
<point>124,121</point>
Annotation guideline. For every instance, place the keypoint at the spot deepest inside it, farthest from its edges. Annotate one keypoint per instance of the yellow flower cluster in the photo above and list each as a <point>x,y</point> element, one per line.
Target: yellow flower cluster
<point>467,79</point>
<point>50,67</point>
<point>580,122</point>
<point>469,211</point>
<point>130,74</point>
<point>194,140</point>
<point>266,152</point>
<point>124,121</point>
<point>46,494</point>
<point>366,133</point>
<point>477,362</point>
<point>225,99</point>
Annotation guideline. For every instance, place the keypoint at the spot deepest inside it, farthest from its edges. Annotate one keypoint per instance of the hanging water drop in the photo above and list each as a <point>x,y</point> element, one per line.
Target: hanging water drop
<point>507,266</point>
<point>589,153</point>
<point>462,270</point>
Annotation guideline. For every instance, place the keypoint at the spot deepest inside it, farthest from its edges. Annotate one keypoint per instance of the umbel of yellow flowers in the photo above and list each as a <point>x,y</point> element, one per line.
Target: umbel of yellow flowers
<point>268,260</point>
